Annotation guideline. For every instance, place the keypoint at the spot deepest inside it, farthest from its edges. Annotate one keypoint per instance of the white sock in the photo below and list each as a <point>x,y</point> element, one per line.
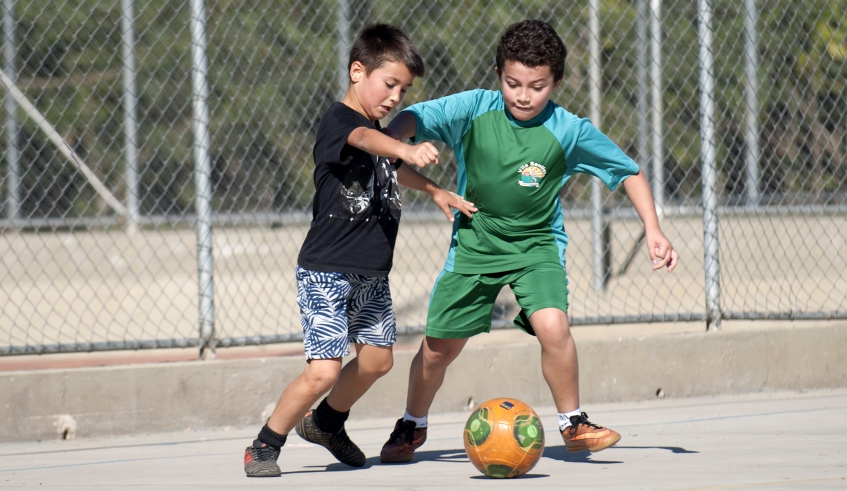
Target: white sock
<point>419,422</point>
<point>565,418</point>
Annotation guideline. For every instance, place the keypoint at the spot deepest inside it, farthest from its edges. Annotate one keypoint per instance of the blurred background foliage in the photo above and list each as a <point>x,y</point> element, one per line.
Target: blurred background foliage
<point>273,70</point>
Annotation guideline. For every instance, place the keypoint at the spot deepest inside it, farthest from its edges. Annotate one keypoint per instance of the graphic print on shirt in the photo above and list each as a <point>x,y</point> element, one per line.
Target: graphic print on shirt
<point>390,199</point>
<point>362,188</point>
<point>531,174</point>
<point>357,189</point>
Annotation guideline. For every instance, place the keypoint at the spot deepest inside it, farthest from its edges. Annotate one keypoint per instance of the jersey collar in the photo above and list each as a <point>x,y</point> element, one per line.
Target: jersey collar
<point>542,116</point>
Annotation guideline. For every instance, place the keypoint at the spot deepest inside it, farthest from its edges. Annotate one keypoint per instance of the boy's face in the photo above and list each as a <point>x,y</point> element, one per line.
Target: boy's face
<point>526,90</point>
<point>374,95</point>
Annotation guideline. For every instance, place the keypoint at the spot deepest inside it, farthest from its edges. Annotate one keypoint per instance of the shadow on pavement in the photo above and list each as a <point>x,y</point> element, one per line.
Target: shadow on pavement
<point>525,476</point>
<point>559,452</point>
<point>672,449</point>
<point>562,453</point>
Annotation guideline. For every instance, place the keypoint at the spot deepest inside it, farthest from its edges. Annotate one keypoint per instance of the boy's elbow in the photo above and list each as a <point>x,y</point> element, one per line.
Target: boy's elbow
<point>404,125</point>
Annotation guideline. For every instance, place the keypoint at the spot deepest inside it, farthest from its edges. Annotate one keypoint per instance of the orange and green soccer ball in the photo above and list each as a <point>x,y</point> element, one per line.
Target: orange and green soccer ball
<point>504,438</point>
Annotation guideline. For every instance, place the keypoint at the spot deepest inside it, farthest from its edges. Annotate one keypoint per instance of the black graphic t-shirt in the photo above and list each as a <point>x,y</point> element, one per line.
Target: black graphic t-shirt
<point>356,208</point>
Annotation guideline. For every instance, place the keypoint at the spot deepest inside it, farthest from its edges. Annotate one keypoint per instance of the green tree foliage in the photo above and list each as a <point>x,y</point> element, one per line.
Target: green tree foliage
<point>274,68</point>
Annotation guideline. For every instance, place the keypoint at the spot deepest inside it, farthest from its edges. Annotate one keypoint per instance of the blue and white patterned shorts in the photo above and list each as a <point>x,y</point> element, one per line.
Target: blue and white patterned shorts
<point>337,309</point>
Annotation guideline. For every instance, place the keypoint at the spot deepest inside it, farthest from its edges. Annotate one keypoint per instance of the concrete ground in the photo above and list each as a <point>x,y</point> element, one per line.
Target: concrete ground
<point>771,441</point>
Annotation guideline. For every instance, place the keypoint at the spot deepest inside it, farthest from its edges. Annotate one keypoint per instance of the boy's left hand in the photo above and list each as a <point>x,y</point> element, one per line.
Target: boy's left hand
<point>447,199</point>
<point>661,250</point>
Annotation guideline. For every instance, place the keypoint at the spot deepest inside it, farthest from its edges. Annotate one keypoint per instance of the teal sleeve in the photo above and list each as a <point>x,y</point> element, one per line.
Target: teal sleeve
<point>445,119</point>
<point>597,155</point>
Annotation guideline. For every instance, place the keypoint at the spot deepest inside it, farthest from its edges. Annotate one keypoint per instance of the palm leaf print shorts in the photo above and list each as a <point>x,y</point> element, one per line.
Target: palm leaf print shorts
<point>337,309</point>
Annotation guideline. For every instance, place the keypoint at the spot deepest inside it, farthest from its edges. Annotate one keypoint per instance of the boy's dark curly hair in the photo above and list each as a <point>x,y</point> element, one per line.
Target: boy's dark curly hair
<point>533,43</point>
<point>382,43</point>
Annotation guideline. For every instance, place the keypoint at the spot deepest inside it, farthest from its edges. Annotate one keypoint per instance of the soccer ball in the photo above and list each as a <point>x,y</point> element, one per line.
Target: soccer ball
<point>504,438</point>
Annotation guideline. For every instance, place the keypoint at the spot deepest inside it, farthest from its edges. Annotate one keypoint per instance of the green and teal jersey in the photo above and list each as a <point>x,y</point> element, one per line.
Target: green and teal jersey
<point>512,171</point>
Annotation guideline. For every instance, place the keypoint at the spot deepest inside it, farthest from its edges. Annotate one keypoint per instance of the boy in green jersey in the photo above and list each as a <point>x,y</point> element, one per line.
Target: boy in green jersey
<point>515,150</point>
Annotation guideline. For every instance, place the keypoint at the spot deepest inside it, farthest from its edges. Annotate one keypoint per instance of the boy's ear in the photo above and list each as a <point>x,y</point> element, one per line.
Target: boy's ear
<point>357,72</point>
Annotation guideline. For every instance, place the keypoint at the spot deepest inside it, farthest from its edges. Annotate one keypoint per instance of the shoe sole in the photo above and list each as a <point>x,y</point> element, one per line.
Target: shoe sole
<point>263,471</point>
<point>596,448</point>
<point>399,459</point>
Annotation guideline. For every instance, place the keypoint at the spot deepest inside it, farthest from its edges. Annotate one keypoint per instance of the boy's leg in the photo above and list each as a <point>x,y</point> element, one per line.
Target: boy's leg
<point>559,363</point>
<point>372,328</point>
<point>560,368</point>
<point>359,374</point>
<point>425,378</point>
<point>427,372</point>
<point>460,307</point>
<point>303,392</point>
<point>317,378</point>
<point>542,291</point>
<point>322,298</point>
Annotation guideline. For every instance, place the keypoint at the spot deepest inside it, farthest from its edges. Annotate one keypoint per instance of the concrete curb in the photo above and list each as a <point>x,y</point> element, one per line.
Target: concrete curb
<point>116,400</point>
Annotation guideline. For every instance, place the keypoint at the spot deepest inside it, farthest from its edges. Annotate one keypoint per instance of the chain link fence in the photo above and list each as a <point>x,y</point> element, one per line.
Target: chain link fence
<point>156,184</point>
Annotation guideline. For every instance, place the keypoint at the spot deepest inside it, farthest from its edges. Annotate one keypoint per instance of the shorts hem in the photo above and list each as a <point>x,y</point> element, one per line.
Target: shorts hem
<point>321,356</point>
<point>456,333</point>
<point>536,309</point>
<point>381,345</point>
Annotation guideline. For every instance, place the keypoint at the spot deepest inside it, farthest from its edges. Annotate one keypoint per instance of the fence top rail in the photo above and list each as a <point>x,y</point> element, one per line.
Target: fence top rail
<point>303,218</point>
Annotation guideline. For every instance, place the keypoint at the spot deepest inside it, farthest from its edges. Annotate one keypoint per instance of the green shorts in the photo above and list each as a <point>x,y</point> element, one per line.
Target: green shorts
<point>461,304</point>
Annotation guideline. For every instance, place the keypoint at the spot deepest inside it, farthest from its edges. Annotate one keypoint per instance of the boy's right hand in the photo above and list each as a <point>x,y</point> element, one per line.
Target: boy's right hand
<point>420,155</point>
<point>448,200</point>
<point>661,251</point>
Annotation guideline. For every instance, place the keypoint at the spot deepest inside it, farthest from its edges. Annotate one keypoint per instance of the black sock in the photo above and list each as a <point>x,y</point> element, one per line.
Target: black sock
<point>272,438</point>
<point>328,419</point>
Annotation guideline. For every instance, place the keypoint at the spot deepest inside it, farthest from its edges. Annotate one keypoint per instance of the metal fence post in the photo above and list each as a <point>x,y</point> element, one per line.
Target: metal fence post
<point>709,155</point>
<point>343,45</point>
<point>751,68</point>
<point>130,114</point>
<point>202,178</point>
<point>12,152</point>
<point>643,144</point>
<point>658,162</point>
<point>601,267</point>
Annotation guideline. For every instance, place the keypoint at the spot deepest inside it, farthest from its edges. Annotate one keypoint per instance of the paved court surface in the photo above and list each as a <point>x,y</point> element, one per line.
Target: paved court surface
<point>775,441</point>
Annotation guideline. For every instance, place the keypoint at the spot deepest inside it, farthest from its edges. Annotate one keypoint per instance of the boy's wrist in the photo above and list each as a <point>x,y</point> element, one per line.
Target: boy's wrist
<point>652,229</point>
<point>432,189</point>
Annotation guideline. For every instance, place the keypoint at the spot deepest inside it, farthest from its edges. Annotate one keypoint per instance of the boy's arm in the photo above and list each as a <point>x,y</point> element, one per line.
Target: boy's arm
<point>376,143</point>
<point>403,126</point>
<point>443,199</point>
<point>659,248</point>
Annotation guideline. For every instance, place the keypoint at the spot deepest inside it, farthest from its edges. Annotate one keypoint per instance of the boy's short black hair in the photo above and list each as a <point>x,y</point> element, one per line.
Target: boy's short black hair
<point>533,43</point>
<point>382,43</point>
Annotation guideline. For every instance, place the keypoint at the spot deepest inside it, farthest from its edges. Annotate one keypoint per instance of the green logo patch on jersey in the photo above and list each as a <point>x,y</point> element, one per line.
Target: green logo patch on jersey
<point>531,174</point>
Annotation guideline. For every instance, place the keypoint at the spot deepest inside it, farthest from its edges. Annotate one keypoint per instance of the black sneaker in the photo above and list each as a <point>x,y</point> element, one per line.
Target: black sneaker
<point>339,444</point>
<point>260,460</point>
<point>402,443</point>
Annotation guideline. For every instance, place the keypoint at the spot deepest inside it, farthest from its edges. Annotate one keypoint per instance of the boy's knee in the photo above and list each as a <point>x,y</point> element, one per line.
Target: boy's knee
<point>383,367</point>
<point>322,376</point>
<point>376,367</point>
<point>440,359</point>
<point>550,324</point>
<point>375,362</point>
<point>441,352</point>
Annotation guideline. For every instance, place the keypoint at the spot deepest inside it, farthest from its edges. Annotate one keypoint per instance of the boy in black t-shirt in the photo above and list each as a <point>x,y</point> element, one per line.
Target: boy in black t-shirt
<point>342,271</point>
